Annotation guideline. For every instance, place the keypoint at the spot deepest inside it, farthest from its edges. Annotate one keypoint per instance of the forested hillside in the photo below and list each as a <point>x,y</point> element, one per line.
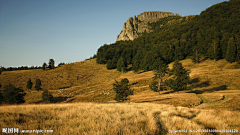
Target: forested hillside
<point>214,34</point>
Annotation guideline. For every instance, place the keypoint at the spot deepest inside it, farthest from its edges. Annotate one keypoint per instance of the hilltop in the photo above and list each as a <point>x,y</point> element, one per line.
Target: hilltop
<point>134,27</point>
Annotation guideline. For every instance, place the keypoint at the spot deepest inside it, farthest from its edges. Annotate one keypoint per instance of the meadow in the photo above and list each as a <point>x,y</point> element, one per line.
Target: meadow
<point>116,118</point>
<point>88,81</point>
<point>84,102</point>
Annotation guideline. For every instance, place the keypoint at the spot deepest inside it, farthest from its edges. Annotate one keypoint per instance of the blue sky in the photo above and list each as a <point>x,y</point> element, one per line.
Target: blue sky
<point>34,31</point>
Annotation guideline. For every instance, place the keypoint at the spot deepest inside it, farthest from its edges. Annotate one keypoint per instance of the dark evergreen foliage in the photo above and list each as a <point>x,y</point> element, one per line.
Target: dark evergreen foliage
<point>112,64</point>
<point>29,84</point>
<point>38,84</point>
<point>19,68</point>
<point>51,64</point>
<point>60,64</point>
<point>47,97</point>
<point>177,37</point>
<point>180,77</point>
<point>231,54</point>
<point>160,68</point>
<point>122,90</point>
<point>121,65</point>
<point>13,95</point>
<point>153,86</point>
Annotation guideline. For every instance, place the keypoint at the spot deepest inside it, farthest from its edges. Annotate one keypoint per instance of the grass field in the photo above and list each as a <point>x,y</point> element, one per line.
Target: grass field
<point>88,81</point>
<point>84,100</point>
<point>115,118</point>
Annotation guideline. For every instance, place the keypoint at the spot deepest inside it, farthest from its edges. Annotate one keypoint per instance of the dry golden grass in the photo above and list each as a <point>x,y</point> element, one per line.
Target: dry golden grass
<point>228,100</point>
<point>115,118</point>
<point>88,81</point>
<point>80,81</point>
<point>167,97</point>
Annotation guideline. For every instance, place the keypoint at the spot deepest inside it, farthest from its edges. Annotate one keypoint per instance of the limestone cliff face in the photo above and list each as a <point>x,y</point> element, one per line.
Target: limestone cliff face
<point>137,25</point>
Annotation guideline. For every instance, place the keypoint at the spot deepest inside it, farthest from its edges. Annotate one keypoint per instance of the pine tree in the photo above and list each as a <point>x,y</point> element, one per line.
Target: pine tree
<point>51,64</point>
<point>44,66</point>
<point>122,90</point>
<point>121,65</point>
<point>214,51</point>
<point>196,56</point>
<point>13,95</point>
<point>160,68</point>
<point>47,97</point>
<point>29,85</point>
<point>137,59</point>
<point>231,51</point>
<point>181,77</point>
<point>112,64</point>
<point>154,86</point>
<point>38,85</point>
<point>148,61</point>
<point>237,42</point>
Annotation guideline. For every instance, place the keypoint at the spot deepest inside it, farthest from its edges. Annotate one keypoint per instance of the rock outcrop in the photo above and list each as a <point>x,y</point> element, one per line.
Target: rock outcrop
<point>137,25</point>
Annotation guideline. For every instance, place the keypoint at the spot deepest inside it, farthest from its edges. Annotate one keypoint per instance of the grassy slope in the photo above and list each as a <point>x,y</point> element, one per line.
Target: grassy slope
<point>89,81</point>
<point>215,84</point>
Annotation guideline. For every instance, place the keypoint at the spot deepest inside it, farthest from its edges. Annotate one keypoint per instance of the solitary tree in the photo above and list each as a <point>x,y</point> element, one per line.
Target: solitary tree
<point>160,68</point>
<point>181,77</point>
<point>29,85</point>
<point>38,85</point>
<point>13,95</point>
<point>122,90</point>
<point>47,96</point>
<point>44,66</point>
<point>51,64</point>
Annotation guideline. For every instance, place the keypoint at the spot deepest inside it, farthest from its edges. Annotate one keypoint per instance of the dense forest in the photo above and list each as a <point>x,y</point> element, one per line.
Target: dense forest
<point>213,34</point>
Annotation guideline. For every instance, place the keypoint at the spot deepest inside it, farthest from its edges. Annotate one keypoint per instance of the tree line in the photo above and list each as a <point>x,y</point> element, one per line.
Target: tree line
<point>50,65</point>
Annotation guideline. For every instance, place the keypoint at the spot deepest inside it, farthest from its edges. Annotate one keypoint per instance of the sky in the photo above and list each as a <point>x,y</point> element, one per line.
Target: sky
<point>34,31</point>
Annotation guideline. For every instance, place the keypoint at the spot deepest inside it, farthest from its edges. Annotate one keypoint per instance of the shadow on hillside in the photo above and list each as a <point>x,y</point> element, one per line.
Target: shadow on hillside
<point>223,87</point>
<point>203,84</point>
<point>194,80</point>
<point>37,102</point>
<point>60,99</point>
<point>197,80</point>
<point>153,100</point>
<point>134,83</point>
<point>64,87</point>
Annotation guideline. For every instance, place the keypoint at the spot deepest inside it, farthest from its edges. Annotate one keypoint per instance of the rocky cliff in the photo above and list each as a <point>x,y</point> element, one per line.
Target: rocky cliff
<point>137,25</point>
